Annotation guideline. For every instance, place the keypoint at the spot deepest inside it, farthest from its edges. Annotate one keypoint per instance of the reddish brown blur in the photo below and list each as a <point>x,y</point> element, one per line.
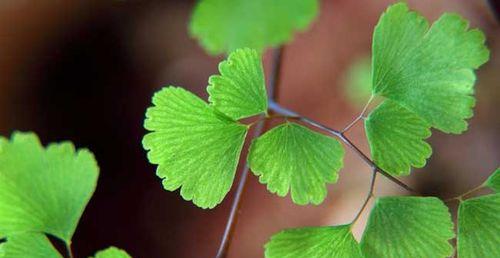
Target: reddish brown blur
<point>86,70</point>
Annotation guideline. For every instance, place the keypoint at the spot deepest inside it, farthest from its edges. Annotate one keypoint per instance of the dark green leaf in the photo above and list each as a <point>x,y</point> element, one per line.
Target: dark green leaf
<point>416,227</point>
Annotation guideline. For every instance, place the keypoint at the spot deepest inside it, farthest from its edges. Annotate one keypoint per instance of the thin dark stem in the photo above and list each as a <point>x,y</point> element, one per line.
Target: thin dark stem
<point>235,206</point>
<point>283,111</point>
<point>292,115</point>
<point>259,128</point>
<point>69,250</point>
<point>471,191</point>
<point>374,166</point>
<point>361,115</point>
<point>462,196</point>
<point>368,196</point>
<point>268,118</point>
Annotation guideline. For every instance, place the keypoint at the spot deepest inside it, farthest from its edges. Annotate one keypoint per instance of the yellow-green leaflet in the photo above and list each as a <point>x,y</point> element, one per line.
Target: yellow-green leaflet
<point>240,90</point>
<point>291,157</point>
<point>196,148</point>
<point>43,190</point>
<point>28,245</point>
<point>314,242</point>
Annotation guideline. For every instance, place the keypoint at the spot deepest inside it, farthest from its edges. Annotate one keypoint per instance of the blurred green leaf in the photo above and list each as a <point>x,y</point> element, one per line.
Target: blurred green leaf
<point>223,26</point>
<point>43,189</point>
<point>358,87</point>
<point>112,252</point>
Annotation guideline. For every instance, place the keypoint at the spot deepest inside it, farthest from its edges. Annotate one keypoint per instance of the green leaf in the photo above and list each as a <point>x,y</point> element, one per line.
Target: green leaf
<point>28,245</point>
<point>196,147</point>
<point>430,71</point>
<point>493,181</point>
<point>43,190</point>
<point>396,137</point>
<point>240,90</point>
<point>314,242</point>
<point>479,227</point>
<point>223,26</point>
<point>112,252</point>
<point>293,157</point>
<point>417,227</point>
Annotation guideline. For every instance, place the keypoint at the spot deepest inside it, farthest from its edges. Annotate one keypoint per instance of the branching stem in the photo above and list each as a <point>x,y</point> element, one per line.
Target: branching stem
<point>361,115</point>
<point>281,110</point>
<point>289,114</point>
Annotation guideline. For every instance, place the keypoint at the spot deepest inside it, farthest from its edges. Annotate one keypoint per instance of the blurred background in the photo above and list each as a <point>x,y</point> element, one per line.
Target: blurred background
<point>85,71</point>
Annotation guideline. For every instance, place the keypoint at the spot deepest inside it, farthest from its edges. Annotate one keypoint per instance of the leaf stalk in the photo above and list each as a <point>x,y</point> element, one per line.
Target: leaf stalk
<point>69,250</point>
<point>368,197</point>
<point>360,116</point>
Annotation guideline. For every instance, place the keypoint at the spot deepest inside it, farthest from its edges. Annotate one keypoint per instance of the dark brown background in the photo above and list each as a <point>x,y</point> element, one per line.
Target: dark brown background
<point>86,70</point>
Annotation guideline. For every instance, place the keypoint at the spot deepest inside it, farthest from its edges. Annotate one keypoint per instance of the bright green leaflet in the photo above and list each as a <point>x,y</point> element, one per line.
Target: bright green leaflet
<point>240,90</point>
<point>28,245</point>
<point>479,227</point>
<point>112,252</point>
<point>43,190</point>
<point>430,71</point>
<point>417,227</point>
<point>396,137</point>
<point>291,156</point>
<point>223,26</point>
<point>314,242</point>
<point>358,88</point>
<point>493,181</point>
<point>196,147</point>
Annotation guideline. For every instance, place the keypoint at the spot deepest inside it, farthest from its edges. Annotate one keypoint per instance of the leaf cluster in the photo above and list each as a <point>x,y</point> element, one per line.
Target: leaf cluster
<point>197,145</point>
<point>424,76</point>
<point>408,226</point>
